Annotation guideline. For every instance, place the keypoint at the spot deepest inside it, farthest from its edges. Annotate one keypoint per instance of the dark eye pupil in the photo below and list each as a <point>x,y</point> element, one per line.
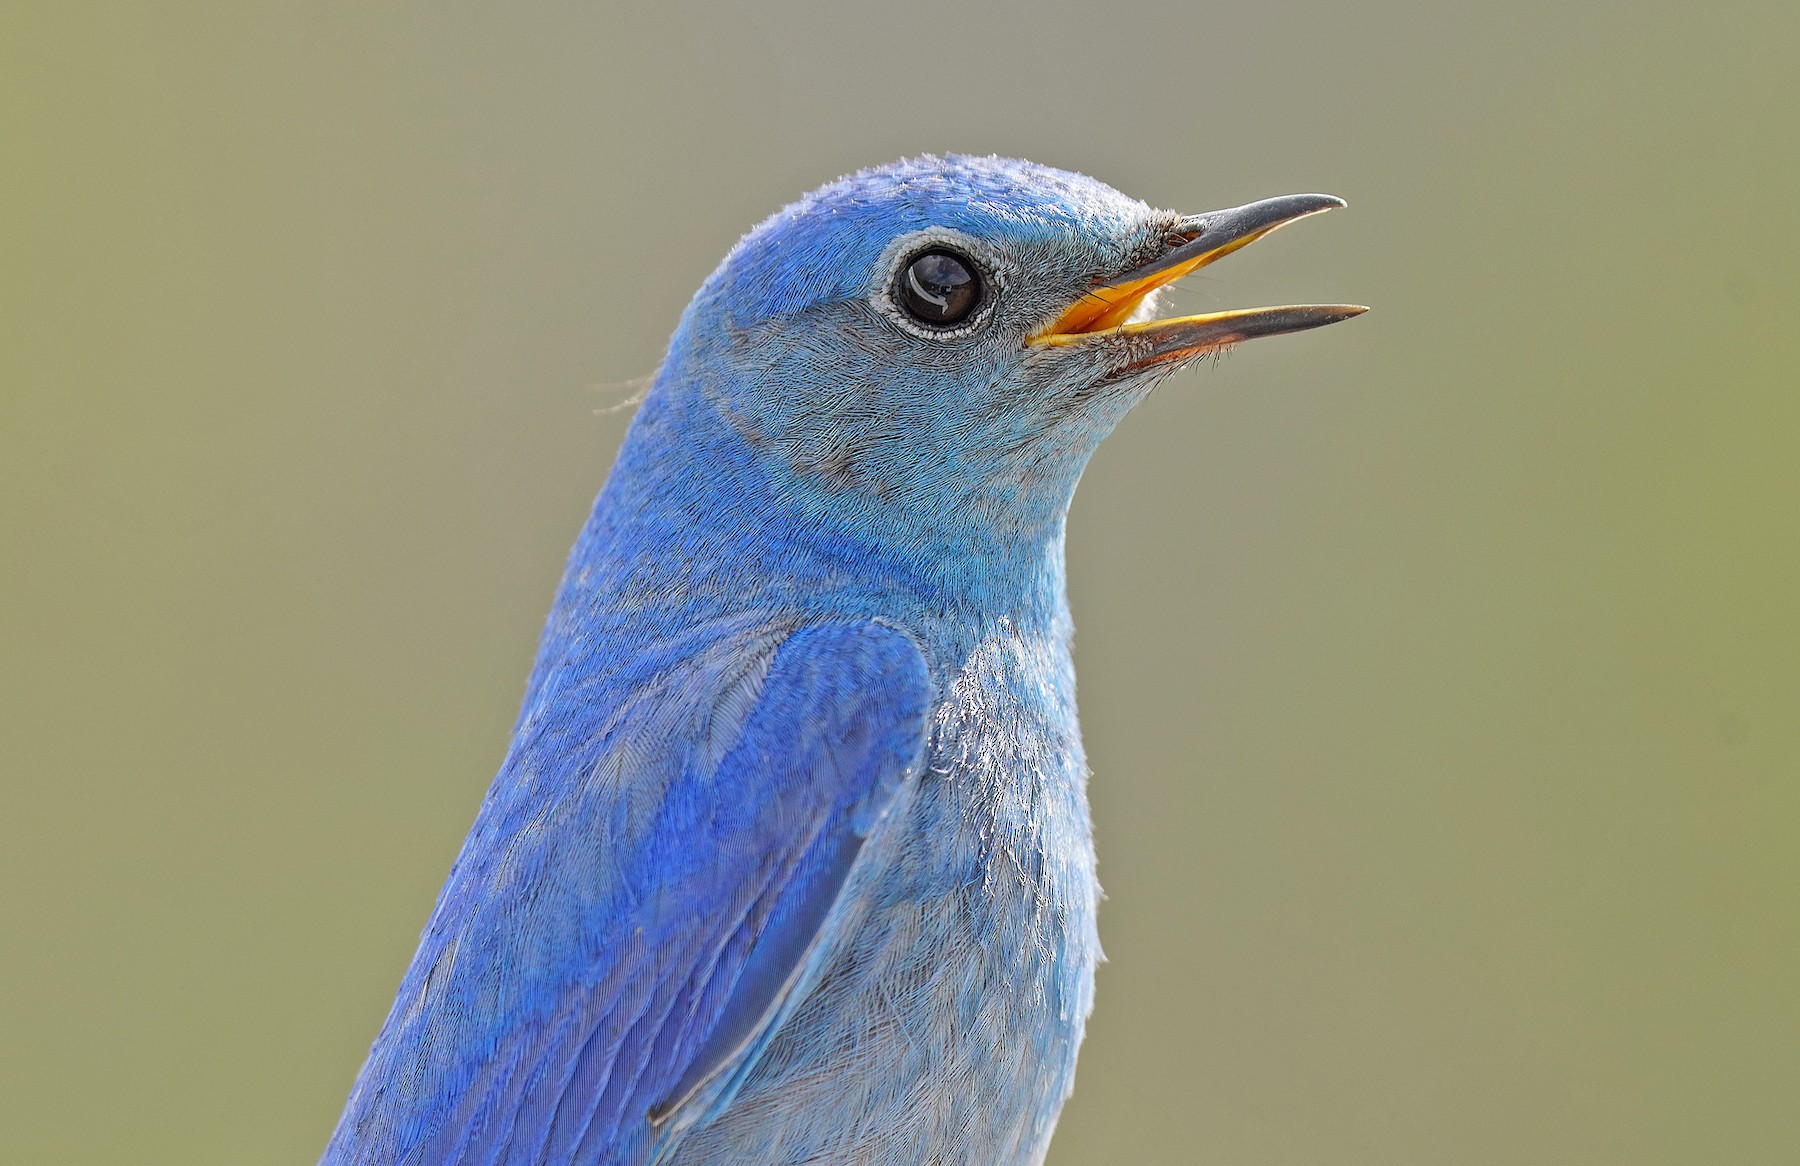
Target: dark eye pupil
<point>940,288</point>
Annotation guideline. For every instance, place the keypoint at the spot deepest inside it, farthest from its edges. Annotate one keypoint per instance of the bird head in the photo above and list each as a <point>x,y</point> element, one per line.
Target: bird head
<point>931,350</point>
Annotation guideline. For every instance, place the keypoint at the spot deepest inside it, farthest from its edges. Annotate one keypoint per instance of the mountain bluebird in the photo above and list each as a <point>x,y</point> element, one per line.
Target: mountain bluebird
<point>789,860</point>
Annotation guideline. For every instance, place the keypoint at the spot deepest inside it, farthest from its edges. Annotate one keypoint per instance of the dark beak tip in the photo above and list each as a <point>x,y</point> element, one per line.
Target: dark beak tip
<point>1299,206</point>
<point>1317,316</point>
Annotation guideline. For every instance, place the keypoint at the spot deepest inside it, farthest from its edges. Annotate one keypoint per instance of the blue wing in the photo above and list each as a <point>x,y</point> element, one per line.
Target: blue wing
<point>638,898</point>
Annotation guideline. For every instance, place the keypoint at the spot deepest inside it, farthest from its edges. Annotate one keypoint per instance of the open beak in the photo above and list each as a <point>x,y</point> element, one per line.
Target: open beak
<point>1194,242</point>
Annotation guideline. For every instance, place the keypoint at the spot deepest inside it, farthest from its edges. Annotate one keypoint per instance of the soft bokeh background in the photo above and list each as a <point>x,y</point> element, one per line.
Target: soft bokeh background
<point>1439,670</point>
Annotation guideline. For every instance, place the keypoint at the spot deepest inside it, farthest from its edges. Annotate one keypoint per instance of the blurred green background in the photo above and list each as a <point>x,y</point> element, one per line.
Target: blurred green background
<point>1439,670</point>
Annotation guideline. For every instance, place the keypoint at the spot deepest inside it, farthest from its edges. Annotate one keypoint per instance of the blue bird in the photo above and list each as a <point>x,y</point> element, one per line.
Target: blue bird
<point>789,860</point>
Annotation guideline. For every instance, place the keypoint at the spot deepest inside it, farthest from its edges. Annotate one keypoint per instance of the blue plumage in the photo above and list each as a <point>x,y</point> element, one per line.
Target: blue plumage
<point>789,860</point>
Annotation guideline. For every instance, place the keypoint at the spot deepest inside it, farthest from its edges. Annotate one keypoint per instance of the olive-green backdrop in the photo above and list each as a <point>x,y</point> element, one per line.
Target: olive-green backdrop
<point>1440,670</point>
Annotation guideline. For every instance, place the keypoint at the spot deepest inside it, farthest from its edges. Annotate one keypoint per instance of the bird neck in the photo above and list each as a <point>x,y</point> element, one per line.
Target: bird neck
<point>696,523</point>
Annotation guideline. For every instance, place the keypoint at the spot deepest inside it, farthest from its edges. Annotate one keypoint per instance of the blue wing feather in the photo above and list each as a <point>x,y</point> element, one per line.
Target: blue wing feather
<point>639,892</point>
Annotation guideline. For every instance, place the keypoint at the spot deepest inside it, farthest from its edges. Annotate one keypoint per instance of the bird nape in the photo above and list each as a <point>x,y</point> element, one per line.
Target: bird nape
<point>789,859</point>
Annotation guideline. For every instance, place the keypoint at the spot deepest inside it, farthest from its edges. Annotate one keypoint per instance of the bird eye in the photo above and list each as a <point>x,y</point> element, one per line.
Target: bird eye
<point>939,288</point>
